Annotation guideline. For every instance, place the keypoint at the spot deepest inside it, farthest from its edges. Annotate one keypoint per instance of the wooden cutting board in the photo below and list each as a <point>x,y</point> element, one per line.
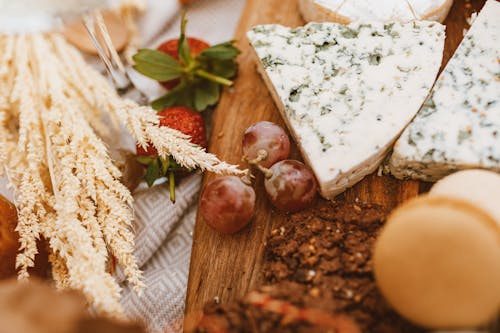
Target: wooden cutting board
<point>228,267</point>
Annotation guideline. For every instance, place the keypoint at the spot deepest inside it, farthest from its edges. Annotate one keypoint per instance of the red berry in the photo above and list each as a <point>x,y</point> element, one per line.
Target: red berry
<point>184,120</point>
<point>170,47</point>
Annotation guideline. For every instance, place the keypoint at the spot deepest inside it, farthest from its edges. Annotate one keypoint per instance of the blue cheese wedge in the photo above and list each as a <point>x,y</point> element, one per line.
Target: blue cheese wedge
<point>347,92</point>
<point>458,127</point>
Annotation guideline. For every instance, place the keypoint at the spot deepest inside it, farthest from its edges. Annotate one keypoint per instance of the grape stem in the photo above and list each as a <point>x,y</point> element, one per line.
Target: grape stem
<point>247,178</point>
<point>268,173</point>
<point>261,156</point>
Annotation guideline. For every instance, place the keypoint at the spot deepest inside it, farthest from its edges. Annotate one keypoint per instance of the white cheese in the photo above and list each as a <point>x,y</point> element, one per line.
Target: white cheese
<point>432,10</point>
<point>459,125</point>
<point>346,11</point>
<point>347,92</point>
<point>321,10</point>
<point>387,10</point>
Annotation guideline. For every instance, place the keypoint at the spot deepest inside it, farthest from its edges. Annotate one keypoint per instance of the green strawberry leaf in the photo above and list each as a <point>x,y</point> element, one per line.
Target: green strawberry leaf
<point>206,94</point>
<point>152,173</point>
<point>224,68</point>
<point>197,94</point>
<point>201,78</point>
<point>166,101</point>
<point>157,65</point>
<point>222,51</point>
<point>144,160</point>
<point>181,95</point>
<point>214,78</point>
<point>165,164</point>
<point>174,166</point>
<point>171,185</point>
<point>183,50</point>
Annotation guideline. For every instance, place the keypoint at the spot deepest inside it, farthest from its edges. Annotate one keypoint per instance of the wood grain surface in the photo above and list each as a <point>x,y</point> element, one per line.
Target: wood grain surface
<point>228,267</point>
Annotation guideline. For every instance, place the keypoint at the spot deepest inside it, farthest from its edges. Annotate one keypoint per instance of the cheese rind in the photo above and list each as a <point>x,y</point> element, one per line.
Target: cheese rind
<point>322,11</point>
<point>347,92</point>
<point>459,125</point>
<point>387,10</point>
<point>346,11</point>
<point>431,10</point>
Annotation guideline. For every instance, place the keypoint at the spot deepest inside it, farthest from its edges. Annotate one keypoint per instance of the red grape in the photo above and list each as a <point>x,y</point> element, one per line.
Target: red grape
<point>265,138</point>
<point>291,187</point>
<point>227,204</point>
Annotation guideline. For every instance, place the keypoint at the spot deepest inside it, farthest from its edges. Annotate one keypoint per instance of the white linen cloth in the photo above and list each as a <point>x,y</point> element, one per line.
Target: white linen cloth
<point>164,230</point>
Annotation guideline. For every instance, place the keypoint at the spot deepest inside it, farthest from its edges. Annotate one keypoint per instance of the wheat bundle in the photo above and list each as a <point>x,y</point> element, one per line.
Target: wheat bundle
<point>67,188</point>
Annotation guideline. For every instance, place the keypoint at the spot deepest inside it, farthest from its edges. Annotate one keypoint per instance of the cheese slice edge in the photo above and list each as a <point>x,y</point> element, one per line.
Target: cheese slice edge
<point>459,125</point>
<point>347,92</point>
<point>348,11</point>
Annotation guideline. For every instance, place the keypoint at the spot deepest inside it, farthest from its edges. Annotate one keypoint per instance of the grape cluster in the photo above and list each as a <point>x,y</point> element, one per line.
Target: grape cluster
<point>228,203</point>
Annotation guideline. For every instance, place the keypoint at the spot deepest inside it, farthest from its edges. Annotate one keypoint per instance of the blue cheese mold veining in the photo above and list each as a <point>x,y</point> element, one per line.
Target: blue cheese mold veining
<point>347,92</point>
<point>458,127</point>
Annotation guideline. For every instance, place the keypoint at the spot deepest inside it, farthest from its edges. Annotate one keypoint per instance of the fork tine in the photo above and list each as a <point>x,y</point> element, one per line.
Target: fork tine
<point>108,43</point>
<point>115,68</point>
<point>109,56</point>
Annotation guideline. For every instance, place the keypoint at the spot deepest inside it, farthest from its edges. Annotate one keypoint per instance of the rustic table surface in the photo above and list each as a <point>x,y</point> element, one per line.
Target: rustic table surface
<point>228,267</point>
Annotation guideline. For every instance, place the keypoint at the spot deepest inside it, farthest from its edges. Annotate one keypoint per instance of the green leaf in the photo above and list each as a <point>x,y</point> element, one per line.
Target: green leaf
<point>183,50</point>
<point>152,173</point>
<point>157,65</point>
<point>174,166</point>
<point>224,68</point>
<point>166,101</point>
<point>222,51</point>
<point>197,95</point>
<point>214,78</point>
<point>206,94</point>
<point>165,164</point>
<point>144,160</point>
<point>181,95</point>
<point>171,185</point>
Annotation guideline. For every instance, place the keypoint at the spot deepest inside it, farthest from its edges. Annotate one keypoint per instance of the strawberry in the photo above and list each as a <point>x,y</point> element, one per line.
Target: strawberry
<point>170,47</point>
<point>193,71</point>
<point>195,45</point>
<point>184,120</point>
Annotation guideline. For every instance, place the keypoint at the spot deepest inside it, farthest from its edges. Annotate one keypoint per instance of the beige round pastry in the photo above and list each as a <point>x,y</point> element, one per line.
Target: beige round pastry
<point>78,36</point>
<point>344,12</point>
<point>437,262</point>
<point>480,187</point>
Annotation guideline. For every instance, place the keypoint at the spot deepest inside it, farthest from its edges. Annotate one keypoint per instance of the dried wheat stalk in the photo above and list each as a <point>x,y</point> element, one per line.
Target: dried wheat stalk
<point>67,188</point>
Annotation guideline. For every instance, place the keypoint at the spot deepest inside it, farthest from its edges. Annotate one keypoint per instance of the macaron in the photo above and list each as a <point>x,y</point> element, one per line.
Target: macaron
<point>76,34</point>
<point>479,187</point>
<point>437,262</point>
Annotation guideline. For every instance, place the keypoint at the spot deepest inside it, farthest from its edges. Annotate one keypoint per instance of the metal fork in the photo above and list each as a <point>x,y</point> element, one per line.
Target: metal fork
<point>109,56</point>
